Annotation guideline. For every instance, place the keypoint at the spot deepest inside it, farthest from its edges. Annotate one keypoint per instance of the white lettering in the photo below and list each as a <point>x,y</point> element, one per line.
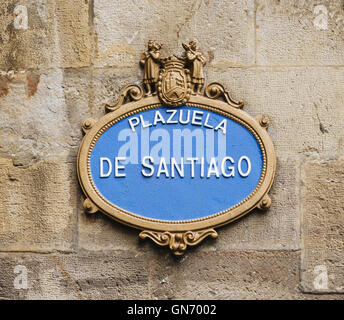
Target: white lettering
<point>148,166</point>
<point>144,125</point>
<point>222,126</point>
<point>158,118</point>
<point>133,124</point>
<point>169,120</point>
<point>206,122</point>
<point>162,147</point>
<point>174,165</point>
<point>197,116</point>
<point>188,137</point>
<point>321,20</point>
<point>162,168</point>
<point>248,171</point>
<point>102,173</point>
<point>119,167</point>
<point>231,168</point>
<point>130,147</point>
<point>181,117</point>
<point>213,169</point>
<point>20,281</point>
<point>193,161</point>
<point>321,280</point>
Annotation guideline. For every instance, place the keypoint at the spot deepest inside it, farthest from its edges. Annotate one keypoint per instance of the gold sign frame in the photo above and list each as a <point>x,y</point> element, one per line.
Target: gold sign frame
<point>178,234</point>
<point>176,81</point>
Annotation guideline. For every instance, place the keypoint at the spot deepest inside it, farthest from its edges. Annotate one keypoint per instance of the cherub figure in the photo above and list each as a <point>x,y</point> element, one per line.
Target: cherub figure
<point>150,61</point>
<point>196,61</point>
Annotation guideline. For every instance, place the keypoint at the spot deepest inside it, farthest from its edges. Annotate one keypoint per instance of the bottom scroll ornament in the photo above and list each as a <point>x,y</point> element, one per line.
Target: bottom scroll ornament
<point>178,241</point>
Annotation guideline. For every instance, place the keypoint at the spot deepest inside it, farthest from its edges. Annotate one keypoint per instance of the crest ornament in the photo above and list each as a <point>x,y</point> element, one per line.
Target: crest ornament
<point>174,86</point>
<point>174,160</point>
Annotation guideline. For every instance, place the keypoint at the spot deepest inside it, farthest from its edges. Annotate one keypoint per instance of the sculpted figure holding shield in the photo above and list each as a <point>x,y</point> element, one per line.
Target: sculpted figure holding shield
<point>196,63</point>
<point>150,61</point>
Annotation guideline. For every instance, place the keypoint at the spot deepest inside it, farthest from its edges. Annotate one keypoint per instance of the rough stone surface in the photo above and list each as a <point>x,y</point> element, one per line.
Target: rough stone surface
<point>323,226</point>
<point>34,127</point>
<point>65,60</point>
<point>277,228</point>
<point>304,105</point>
<point>129,275</point>
<point>98,232</point>
<point>225,29</point>
<point>57,34</point>
<point>74,33</point>
<point>82,276</point>
<point>294,32</point>
<point>77,86</point>
<point>33,44</point>
<point>108,84</point>
<point>228,275</point>
<point>42,114</point>
<point>37,206</point>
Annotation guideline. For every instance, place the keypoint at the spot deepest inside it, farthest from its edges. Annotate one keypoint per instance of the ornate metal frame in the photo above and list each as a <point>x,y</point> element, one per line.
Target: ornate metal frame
<point>176,234</point>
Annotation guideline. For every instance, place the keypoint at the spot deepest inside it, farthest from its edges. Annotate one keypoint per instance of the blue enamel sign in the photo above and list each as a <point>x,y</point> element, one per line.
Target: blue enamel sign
<point>176,164</point>
<point>176,158</point>
<point>173,157</point>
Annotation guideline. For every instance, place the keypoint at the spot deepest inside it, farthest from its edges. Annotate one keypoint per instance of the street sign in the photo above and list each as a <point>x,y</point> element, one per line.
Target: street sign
<point>176,168</point>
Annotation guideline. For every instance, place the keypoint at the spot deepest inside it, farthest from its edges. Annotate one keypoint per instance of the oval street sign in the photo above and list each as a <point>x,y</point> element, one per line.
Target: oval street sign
<point>176,171</point>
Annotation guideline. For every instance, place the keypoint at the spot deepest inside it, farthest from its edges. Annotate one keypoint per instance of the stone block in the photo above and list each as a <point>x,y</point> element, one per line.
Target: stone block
<point>45,34</point>
<point>79,93</point>
<point>97,232</point>
<point>74,32</point>
<point>275,229</point>
<point>119,275</point>
<point>223,29</point>
<point>37,206</point>
<point>28,37</point>
<point>300,32</point>
<point>323,226</point>
<point>42,114</point>
<point>226,275</point>
<point>108,84</point>
<point>304,105</point>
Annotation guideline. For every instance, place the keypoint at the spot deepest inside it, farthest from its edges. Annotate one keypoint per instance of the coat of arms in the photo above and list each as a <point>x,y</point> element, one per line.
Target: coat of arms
<point>173,78</point>
<point>174,82</point>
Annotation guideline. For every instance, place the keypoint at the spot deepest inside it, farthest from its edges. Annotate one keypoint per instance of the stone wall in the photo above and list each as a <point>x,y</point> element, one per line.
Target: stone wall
<point>62,61</point>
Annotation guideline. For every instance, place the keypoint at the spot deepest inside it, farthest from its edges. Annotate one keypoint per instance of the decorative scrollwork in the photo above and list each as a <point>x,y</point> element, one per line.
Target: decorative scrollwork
<point>130,93</point>
<point>263,121</point>
<point>215,90</point>
<point>87,125</point>
<point>89,206</point>
<point>265,203</point>
<point>178,241</point>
